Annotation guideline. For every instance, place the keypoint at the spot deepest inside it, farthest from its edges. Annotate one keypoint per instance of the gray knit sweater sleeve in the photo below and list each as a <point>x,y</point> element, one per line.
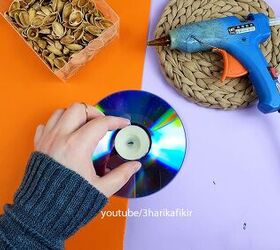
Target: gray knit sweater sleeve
<point>51,204</point>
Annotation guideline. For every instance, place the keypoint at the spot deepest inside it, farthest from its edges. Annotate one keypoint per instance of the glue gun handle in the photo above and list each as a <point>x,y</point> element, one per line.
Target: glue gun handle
<point>265,83</point>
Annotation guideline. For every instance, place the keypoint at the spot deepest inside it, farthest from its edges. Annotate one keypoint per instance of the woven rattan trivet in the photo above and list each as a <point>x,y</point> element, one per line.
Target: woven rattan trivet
<point>197,76</point>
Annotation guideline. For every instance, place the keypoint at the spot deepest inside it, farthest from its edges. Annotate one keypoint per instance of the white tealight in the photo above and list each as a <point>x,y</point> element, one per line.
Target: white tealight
<point>132,143</point>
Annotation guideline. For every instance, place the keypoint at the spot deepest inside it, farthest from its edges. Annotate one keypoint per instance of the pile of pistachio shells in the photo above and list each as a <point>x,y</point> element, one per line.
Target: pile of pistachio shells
<point>57,29</point>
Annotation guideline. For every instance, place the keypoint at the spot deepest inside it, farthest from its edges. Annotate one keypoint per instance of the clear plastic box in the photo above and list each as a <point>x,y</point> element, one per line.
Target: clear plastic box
<point>85,55</point>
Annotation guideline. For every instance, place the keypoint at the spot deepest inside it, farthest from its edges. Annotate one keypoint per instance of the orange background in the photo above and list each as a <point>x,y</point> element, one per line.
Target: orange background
<point>30,93</point>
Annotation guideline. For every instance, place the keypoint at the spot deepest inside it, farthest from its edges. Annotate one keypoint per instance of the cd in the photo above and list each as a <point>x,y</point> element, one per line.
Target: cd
<point>156,138</point>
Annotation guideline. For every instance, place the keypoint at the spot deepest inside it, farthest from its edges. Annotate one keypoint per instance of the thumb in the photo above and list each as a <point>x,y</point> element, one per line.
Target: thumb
<point>117,178</point>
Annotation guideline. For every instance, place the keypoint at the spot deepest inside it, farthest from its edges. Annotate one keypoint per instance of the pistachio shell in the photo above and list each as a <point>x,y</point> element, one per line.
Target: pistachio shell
<point>88,37</point>
<point>11,14</point>
<point>85,9</point>
<point>48,20</point>
<point>58,45</point>
<point>78,34</point>
<point>59,62</point>
<point>52,56</point>
<point>92,19</point>
<point>76,18</point>
<point>93,30</point>
<point>42,43</point>
<point>60,5</point>
<point>46,10</point>
<point>45,53</point>
<point>74,47</point>
<point>14,6</point>
<point>37,21</point>
<point>67,10</point>
<point>32,14</point>
<point>57,5</point>
<point>40,13</point>
<point>23,5</point>
<point>91,6</point>
<point>16,17</point>
<point>66,51</point>
<point>45,31</point>
<point>58,30</point>
<point>69,27</point>
<point>96,21</point>
<point>23,32</point>
<point>36,6</point>
<point>36,47</point>
<point>54,5</point>
<point>82,3</point>
<point>74,2</point>
<point>49,40</point>
<point>32,33</point>
<point>49,61</point>
<point>54,50</point>
<point>87,17</point>
<point>68,39</point>
<point>24,19</point>
<point>105,23</point>
<point>97,13</point>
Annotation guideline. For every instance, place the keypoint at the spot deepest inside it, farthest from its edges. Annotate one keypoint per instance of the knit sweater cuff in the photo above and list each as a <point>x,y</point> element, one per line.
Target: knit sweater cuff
<point>54,201</point>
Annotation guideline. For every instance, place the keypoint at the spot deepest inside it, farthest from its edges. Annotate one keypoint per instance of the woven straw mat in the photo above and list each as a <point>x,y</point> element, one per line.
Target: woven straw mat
<point>197,76</point>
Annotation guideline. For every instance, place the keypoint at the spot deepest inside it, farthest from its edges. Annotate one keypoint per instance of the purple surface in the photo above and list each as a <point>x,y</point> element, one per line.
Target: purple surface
<point>239,151</point>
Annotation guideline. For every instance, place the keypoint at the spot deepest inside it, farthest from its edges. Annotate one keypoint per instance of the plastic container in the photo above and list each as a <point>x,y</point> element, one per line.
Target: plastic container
<point>80,59</point>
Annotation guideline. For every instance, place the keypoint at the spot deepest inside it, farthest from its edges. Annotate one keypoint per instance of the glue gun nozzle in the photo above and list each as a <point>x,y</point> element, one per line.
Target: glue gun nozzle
<point>162,41</point>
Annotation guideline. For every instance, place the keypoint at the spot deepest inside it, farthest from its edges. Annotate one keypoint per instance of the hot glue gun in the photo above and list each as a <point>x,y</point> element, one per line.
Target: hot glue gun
<point>239,43</point>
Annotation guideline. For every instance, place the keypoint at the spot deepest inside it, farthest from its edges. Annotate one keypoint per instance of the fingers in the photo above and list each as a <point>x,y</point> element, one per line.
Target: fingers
<point>54,119</point>
<point>76,116</point>
<point>117,178</point>
<point>92,132</point>
<point>38,135</point>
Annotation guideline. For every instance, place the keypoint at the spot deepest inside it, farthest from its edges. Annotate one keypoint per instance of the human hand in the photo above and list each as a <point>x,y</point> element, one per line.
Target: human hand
<point>71,136</point>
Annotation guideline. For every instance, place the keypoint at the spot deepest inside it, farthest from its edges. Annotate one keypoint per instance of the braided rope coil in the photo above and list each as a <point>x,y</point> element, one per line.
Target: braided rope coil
<point>197,76</point>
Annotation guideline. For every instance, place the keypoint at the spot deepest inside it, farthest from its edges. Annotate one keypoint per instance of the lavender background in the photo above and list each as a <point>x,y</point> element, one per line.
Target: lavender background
<point>239,151</point>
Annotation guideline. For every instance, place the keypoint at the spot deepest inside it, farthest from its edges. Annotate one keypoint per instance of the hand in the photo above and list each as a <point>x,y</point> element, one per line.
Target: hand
<point>70,139</point>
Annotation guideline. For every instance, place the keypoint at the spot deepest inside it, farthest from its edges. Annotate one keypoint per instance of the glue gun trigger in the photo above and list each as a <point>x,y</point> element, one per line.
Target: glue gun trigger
<point>232,67</point>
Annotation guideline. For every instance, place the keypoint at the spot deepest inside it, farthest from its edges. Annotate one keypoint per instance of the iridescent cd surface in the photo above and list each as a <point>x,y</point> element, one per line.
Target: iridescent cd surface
<point>168,141</point>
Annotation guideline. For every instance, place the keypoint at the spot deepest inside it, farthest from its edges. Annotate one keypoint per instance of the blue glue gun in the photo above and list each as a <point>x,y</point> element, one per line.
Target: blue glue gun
<point>239,42</point>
